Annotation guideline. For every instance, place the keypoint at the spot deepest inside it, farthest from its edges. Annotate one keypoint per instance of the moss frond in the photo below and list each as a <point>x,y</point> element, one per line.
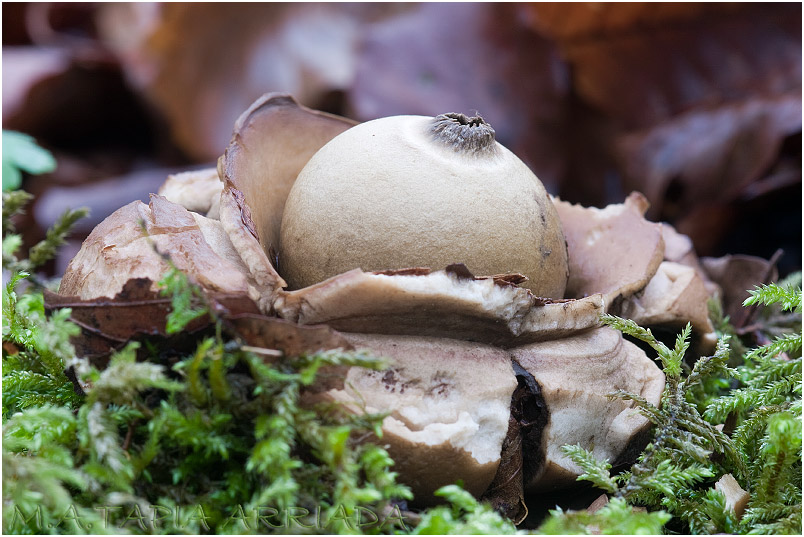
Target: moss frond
<point>788,296</point>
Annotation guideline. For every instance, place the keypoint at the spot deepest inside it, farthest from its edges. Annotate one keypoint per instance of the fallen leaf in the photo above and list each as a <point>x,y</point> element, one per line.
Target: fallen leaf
<point>506,492</point>
<point>697,105</point>
<point>107,324</point>
<point>598,504</point>
<point>138,311</point>
<point>218,57</point>
<point>645,74</point>
<point>587,20</point>
<point>289,338</point>
<point>703,96</point>
<point>707,155</point>
<point>736,274</point>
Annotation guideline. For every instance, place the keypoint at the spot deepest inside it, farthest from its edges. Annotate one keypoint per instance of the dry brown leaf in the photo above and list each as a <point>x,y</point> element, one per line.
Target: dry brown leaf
<point>707,155</point>
<point>521,455</point>
<point>736,274</point>
<point>587,20</point>
<point>642,76</point>
<point>289,338</point>
<point>506,493</point>
<point>598,504</point>
<point>219,57</point>
<point>108,323</point>
<point>703,96</point>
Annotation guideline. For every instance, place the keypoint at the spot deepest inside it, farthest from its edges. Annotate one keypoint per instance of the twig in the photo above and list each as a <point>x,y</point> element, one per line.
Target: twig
<point>130,434</point>
<point>260,350</point>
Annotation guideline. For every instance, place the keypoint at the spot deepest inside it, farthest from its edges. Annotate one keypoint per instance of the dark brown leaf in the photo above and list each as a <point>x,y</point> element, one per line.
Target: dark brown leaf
<point>703,95</point>
<point>201,64</point>
<point>707,155</point>
<point>72,103</point>
<point>137,311</point>
<point>736,274</point>
<point>522,454</point>
<point>698,104</point>
<point>289,338</point>
<point>506,492</point>
<point>107,324</point>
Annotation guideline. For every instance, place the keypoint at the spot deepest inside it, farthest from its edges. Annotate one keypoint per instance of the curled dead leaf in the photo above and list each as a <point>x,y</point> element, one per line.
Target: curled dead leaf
<point>736,274</point>
<point>137,311</point>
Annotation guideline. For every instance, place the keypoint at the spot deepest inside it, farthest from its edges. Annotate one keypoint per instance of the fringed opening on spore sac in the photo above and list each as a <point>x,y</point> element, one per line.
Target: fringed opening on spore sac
<point>472,135</point>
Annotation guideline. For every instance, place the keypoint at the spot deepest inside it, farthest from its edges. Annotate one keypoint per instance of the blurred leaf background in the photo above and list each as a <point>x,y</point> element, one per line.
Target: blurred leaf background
<point>697,105</point>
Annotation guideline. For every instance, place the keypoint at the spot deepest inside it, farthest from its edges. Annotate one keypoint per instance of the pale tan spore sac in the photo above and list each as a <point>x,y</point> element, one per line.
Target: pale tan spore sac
<point>415,191</point>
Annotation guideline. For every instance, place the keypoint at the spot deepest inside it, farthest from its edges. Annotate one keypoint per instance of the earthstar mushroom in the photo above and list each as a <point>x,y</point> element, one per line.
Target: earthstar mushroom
<point>461,331</point>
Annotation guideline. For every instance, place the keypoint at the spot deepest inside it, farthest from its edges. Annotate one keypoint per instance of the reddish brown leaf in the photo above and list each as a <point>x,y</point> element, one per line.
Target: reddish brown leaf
<point>107,324</point>
<point>587,20</point>
<point>203,63</point>
<point>736,274</point>
<point>137,311</point>
<point>644,75</point>
<point>413,271</point>
<point>289,338</point>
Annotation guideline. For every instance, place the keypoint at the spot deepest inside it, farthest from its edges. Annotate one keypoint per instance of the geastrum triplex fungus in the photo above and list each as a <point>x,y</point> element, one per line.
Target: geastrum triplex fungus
<point>425,241</point>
